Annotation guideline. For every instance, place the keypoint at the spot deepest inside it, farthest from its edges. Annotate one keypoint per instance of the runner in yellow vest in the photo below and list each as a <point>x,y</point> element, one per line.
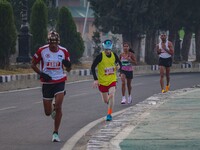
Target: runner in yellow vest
<point>106,63</point>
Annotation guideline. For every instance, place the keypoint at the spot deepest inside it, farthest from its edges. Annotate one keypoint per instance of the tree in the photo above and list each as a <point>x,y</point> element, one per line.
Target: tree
<point>133,18</point>
<point>126,17</point>
<point>8,33</point>
<point>97,43</point>
<point>69,37</point>
<point>196,24</point>
<point>17,9</point>
<point>38,25</point>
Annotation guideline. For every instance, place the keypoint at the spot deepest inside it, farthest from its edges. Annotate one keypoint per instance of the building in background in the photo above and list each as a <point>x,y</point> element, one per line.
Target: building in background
<point>78,9</point>
<point>83,18</point>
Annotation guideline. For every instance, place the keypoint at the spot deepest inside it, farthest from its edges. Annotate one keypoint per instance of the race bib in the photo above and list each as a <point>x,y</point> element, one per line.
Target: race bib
<point>109,71</point>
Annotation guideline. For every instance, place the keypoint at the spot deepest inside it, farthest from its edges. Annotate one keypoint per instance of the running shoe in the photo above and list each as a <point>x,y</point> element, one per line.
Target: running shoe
<point>167,88</point>
<point>129,100</point>
<point>163,91</point>
<point>123,100</point>
<point>108,117</point>
<point>55,138</point>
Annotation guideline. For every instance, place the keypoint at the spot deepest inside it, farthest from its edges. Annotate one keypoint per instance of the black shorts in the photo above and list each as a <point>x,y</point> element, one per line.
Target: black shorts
<point>128,74</point>
<point>50,90</point>
<point>166,62</point>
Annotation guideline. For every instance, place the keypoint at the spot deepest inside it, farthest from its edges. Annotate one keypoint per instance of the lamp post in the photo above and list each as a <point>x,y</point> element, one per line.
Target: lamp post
<point>24,36</point>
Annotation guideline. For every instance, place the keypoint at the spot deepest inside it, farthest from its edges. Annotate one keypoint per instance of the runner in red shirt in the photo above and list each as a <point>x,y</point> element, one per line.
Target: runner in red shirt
<point>52,59</point>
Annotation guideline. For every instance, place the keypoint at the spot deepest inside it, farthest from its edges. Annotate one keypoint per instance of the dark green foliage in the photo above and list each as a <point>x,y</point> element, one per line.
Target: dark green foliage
<point>8,33</point>
<point>52,17</point>
<point>69,36</point>
<point>38,25</point>
<point>17,9</point>
<point>97,43</point>
<point>78,46</point>
<point>133,18</point>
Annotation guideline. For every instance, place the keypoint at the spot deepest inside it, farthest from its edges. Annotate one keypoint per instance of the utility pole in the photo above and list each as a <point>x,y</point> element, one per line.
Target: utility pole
<point>84,27</point>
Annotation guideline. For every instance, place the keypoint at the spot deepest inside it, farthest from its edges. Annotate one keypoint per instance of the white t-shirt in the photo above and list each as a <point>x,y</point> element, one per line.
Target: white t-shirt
<point>163,53</point>
<point>51,62</point>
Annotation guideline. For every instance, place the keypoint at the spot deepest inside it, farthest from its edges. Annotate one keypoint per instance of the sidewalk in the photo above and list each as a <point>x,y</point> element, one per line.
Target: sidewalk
<point>169,121</point>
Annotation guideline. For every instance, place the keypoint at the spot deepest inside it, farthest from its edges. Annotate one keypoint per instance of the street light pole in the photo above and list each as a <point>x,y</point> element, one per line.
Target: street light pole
<point>24,36</point>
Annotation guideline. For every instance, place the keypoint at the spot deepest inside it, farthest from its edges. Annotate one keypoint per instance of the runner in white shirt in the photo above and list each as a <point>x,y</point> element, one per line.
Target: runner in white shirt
<point>52,59</point>
<point>165,51</point>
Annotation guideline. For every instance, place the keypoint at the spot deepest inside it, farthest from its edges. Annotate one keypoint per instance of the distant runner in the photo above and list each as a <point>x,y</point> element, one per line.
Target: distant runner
<point>106,63</point>
<point>127,59</point>
<point>165,51</point>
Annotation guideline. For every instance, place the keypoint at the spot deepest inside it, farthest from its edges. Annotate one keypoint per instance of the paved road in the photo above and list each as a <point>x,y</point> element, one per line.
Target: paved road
<point>24,125</point>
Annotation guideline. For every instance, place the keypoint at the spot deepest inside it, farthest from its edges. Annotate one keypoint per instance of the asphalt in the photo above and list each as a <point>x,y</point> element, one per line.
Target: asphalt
<point>169,121</point>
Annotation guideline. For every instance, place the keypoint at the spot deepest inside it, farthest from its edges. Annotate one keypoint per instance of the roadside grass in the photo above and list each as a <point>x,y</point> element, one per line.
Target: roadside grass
<point>26,70</point>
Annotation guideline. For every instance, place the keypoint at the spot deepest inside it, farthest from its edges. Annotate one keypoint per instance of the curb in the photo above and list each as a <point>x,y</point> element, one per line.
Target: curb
<point>110,135</point>
<point>35,76</point>
<point>21,81</point>
<point>185,67</point>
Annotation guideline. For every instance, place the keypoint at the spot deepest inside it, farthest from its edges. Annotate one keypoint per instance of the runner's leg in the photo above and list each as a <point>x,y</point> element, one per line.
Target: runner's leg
<point>104,97</point>
<point>162,77</point>
<point>111,99</point>
<point>58,108</point>
<point>47,107</point>
<point>168,75</point>
<point>129,86</point>
<point>123,79</point>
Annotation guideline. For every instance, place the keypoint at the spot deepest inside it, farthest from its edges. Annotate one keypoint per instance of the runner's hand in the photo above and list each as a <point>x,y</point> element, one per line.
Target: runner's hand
<point>67,64</point>
<point>158,51</point>
<point>95,84</point>
<point>45,76</point>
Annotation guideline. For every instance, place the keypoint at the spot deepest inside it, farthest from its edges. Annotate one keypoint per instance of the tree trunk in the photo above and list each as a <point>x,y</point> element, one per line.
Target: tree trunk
<point>4,61</point>
<point>197,42</point>
<point>186,44</point>
<point>177,49</point>
<point>136,47</point>
<point>172,35</point>
<point>151,57</point>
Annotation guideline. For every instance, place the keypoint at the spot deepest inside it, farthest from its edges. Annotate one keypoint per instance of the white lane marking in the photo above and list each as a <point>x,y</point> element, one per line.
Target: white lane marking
<point>6,108</point>
<point>78,95</point>
<point>20,90</point>
<point>35,88</point>
<point>38,102</point>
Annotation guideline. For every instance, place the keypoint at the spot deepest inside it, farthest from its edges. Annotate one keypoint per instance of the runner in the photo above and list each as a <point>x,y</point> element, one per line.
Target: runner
<point>106,81</point>
<point>165,51</point>
<point>127,58</point>
<point>52,57</point>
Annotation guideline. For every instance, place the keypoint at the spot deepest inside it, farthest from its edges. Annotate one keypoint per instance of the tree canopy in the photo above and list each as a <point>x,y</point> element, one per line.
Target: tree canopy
<point>8,34</point>
<point>38,25</point>
<point>133,18</point>
<point>69,37</point>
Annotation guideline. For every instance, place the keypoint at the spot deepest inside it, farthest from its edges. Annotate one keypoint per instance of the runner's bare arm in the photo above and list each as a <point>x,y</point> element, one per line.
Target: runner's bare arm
<point>133,59</point>
<point>158,50</point>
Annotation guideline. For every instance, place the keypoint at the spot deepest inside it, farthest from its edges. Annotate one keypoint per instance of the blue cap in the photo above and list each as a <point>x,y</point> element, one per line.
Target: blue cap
<point>107,44</point>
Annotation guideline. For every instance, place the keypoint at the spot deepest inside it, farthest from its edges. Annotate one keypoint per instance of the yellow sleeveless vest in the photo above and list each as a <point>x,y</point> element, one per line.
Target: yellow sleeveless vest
<point>107,70</point>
